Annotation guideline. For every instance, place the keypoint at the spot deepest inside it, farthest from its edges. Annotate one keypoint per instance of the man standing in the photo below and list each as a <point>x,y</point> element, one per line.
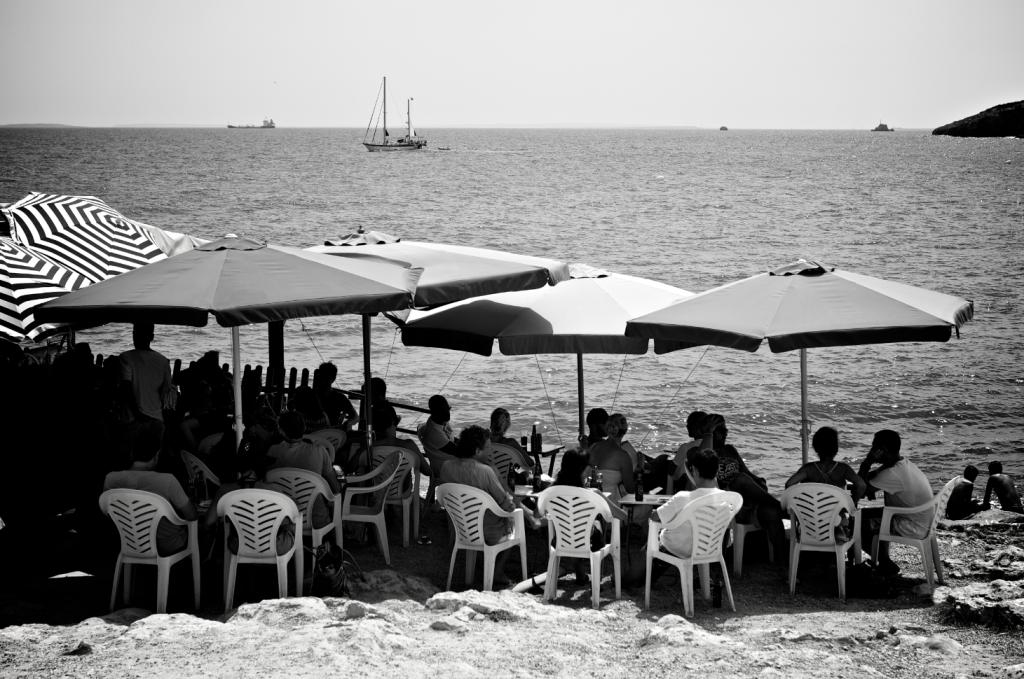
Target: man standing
<point>903,484</point>
<point>145,378</point>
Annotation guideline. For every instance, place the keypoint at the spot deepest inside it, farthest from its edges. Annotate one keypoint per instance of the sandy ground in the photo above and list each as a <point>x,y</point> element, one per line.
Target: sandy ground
<point>400,624</point>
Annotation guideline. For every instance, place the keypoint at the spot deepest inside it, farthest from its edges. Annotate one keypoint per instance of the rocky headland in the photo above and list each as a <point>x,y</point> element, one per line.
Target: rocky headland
<point>1005,120</point>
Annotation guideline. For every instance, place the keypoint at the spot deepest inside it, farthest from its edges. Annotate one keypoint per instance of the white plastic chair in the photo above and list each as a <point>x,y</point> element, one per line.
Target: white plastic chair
<point>257,516</point>
<point>929,544</point>
<point>709,518</point>
<point>397,495</point>
<point>194,466</point>
<point>466,506</point>
<point>502,457</point>
<point>334,439</point>
<point>304,487</point>
<point>814,514</point>
<point>571,513</point>
<point>137,513</point>
<point>381,478</point>
<point>209,442</point>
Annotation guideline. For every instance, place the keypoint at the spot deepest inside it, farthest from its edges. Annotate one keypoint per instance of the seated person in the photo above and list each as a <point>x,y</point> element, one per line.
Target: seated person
<point>596,419</point>
<point>1004,488</point>
<point>826,444</point>
<point>336,405</point>
<point>142,475</point>
<point>961,505</point>
<point>695,429</point>
<point>760,507</point>
<point>436,434</point>
<point>678,541</point>
<point>576,471</point>
<point>307,454</point>
<point>250,467</point>
<point>385,434</point>
<point>306,403</point>
<point>500,422</point>
<point>608,457</point>
<point>469,467</point>
<point>904,485</point>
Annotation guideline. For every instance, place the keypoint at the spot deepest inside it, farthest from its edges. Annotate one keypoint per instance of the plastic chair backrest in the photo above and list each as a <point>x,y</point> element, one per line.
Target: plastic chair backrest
<point>335,437</point>
<point>302,486</point>
<point>466,506</point>
<point>572,512</point>
<point>816,507</point>
<point>194,465</point>
<point>257,516</point>
<point>939,503</point>
<point>405,465</point>
<point>136,513</point>
<point>500,457</point>
<point>209,442</point>
<point>709,517</point>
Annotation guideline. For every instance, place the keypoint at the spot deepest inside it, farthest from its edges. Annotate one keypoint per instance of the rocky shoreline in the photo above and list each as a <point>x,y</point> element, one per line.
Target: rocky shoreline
<point>1005,120</point>
<point>404,626</point>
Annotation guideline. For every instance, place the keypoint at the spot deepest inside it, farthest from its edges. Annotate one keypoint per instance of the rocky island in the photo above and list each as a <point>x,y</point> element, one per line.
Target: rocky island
<point>1005,120</point>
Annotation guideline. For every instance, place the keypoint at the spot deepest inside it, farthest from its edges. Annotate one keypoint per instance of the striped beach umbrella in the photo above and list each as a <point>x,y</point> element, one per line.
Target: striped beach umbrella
<point>82,234</point>
<point>27,280</point>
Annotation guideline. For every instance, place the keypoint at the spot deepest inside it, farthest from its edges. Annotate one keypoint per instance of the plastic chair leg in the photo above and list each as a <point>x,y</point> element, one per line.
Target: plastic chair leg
<point>686,581</point>
<point>117,578</point>
<point>595,579</point>
<point>522,555</point>
<point>647,587</point>
<point>489,570</point>
<point>163,577</point>
<point>382,539</point>
<point>406,510</point>
<point>195,578</point>
<point>926,558</point>
<point>728,585</point>
<point>937,560</point>
<point>739,537</point>
<point>416,513</point>
<point>794,565</point>
<point>551,583</point>
<point>617,565</point>
<point>232,571</point>
<point>841,572</point>
<point>282,578</point>
<point>451,569</point>
<point>299,569</point>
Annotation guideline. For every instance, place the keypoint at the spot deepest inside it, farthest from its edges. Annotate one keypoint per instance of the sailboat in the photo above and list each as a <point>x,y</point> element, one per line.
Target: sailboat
<point>410,142</point>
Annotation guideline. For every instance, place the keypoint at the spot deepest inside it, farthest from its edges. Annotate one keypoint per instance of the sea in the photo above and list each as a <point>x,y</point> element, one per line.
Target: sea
<point>691,208</point>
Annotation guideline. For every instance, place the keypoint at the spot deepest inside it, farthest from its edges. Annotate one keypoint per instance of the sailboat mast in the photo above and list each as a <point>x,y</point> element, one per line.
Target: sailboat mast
<point>408,118</point>
<point>385,109</point>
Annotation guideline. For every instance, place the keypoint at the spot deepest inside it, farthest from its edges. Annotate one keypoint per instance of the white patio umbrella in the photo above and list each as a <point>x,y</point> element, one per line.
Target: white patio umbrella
<point>27,280</point>
<point>806,305</point>
<point>585,315</point>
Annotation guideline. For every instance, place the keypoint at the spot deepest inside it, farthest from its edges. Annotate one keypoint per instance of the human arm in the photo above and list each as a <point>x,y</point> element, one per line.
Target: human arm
<point>327,470</point>
<point>860,488</point>
<point>799,477</point>
<point>183,506</point>
<point>625,467</point>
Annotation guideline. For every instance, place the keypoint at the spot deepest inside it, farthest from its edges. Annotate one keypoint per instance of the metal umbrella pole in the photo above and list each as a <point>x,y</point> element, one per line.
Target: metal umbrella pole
<point>805,424</point>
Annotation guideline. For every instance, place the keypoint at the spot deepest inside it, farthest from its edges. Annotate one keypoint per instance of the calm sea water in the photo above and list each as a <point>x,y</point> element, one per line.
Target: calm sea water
<point>691,208</point>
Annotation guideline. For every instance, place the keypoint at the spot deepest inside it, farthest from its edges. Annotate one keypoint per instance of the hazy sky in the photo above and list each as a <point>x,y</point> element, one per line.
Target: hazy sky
<point>818,64</point>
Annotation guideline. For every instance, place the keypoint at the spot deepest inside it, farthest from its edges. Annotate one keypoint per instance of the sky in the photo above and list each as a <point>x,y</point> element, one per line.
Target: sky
<point>766,65</point>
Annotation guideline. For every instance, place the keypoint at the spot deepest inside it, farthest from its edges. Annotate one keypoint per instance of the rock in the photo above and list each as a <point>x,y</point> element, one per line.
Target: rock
<point>676,631</point>
<point>997,602</point>
<point>1005,120</point>
<point>893,629</point>
<point>880,634</point>
<point>912,640</point>
<point>943,644</point>
<point>449,624</point>
<point>797,637</point>
<point>81,649</point>
<point>389,584</point>
<point>1004,564</point>
<point>1012,672</point>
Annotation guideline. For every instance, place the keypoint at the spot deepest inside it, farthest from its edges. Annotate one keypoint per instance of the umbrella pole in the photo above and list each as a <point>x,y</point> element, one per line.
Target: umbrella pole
<point>236,378</point>
<point>579,390</point>
<point>367,395</point>
<point>805,424</point>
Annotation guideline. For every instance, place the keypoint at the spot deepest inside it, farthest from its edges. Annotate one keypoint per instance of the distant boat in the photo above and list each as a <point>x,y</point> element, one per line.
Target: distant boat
<point>723,128</point>
<point>268,124</point>
<point>410,142</point>
<point>882,127</point>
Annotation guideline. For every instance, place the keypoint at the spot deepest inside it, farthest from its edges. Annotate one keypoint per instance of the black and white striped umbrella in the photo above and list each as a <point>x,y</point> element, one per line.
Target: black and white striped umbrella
<point>82,234</point>
<point>28,279</point>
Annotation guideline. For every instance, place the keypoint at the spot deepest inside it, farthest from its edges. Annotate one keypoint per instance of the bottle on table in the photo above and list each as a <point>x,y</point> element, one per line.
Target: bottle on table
<point>192,489</point>
<point>599,481</point>
<point>534,440</point>
<point>638,478</point>
<point>537,472</point>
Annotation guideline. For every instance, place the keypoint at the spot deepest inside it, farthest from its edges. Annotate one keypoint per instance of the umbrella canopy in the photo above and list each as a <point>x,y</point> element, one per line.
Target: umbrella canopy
<point>580,316</point>
<point>452,273</point>
<point>81,233</point>
<point>239,281</point>
<point>27,279</point>
<point>806,305</point>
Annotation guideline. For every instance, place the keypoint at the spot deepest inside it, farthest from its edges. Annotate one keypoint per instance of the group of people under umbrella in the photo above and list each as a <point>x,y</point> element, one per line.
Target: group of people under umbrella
<point>464,298</point>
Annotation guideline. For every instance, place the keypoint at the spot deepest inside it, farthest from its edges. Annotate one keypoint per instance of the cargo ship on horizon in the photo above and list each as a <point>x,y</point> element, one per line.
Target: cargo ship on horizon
<point>268,124</point>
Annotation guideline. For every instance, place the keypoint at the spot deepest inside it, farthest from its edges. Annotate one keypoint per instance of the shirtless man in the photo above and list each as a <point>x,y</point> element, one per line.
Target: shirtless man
<point>1004,489</point>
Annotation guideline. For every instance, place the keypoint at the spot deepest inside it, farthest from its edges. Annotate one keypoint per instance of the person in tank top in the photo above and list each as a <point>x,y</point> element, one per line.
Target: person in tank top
<point>827,470</point>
